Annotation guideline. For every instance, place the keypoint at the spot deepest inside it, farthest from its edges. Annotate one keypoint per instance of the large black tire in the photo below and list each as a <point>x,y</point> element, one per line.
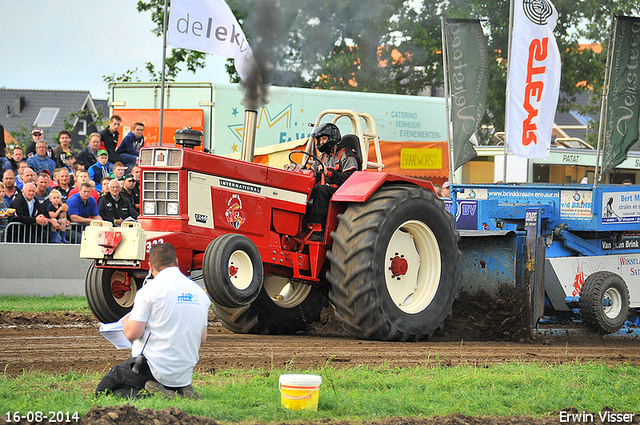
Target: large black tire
<point>278,310</point>
<point>600,288</point>
<point>394,265</point>
<point>104,295</point>
<point>232,270</point>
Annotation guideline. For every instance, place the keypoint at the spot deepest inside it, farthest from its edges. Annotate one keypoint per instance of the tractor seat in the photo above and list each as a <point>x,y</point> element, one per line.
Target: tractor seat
<point>351,142</point>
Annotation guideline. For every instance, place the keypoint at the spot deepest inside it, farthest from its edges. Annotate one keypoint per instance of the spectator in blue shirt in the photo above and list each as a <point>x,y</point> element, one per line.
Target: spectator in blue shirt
<point>130,146</point>
<point>100,169</point>
<point>40,161</point>
<point>82,209</point>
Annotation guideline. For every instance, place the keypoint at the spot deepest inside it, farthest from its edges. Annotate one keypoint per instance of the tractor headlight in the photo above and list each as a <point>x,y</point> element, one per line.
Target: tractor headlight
<point>149,208</point>
<point>172,208</point>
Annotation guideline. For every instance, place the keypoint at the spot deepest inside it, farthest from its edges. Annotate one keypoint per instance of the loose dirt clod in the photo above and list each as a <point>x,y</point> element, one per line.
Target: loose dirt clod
<point>130,415</point>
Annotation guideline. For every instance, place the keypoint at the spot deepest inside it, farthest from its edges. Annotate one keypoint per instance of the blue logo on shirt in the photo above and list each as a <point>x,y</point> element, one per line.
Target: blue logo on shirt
<point>188,298</point>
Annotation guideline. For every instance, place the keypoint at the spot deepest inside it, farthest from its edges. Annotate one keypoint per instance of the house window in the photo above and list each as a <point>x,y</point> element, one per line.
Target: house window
<point>46,117</point>
<point>82,127</point>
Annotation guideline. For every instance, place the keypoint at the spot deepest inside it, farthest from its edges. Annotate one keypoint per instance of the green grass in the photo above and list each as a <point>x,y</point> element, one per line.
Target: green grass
<point>360,393</point>
<point>48,304</point>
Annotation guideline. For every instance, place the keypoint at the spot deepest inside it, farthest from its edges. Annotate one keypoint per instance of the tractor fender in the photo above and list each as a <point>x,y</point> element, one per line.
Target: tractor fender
<point>361,185</point>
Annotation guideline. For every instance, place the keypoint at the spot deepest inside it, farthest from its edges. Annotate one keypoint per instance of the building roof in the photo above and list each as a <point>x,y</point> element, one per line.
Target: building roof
<point>575,124</point>
<point>42,108</point>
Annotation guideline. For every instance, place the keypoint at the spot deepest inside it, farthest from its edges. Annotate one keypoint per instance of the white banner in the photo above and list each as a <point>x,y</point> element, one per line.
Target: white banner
<point>209,26</point>
<point>533,82</point>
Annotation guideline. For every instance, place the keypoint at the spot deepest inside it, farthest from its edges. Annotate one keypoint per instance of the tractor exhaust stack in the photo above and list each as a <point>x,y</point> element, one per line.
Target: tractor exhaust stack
<point>249,135</point>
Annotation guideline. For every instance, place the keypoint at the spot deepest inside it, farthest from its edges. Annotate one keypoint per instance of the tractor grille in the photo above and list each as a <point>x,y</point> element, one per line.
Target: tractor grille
<point>161,157</point>
<point>160,193</point>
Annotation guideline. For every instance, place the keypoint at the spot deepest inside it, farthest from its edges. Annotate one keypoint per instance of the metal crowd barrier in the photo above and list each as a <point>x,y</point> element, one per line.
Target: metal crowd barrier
<point>16,232</point>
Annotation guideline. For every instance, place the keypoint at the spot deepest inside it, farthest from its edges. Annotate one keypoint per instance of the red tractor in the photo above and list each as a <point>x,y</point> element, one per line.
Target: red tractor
<point>388,262</point>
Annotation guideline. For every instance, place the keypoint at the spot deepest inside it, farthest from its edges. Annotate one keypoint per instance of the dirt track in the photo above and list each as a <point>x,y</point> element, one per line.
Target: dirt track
<point>73,342</point>
<point>58,344</point>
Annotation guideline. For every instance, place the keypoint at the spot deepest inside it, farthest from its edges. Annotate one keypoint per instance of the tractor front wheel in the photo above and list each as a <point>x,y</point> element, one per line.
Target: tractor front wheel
<point>282,307</point>
<point>232,270</point>
<point>394,265</point>
<point>604,302</point>
<point>110,294</point>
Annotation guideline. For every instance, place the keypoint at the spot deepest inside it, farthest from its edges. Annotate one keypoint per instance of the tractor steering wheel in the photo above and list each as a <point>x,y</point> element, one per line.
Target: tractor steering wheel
<point>306,153</point>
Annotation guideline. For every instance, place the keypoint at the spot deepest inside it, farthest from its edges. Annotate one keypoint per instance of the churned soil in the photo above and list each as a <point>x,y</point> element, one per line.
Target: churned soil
<point>130,415</point>
<point>60,342</point>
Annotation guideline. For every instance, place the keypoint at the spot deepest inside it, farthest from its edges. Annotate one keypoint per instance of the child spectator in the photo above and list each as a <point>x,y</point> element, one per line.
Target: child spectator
<point>57,213</point>
<point>130,146</point>
<point>105,185</point>
<point>118,171</point>
<point>100,169</point>
<point>54,180</point>
<point>69,162</point>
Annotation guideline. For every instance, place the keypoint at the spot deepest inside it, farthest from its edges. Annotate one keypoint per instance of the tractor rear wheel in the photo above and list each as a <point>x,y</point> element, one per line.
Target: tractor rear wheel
<point>604,302</point>
<point>282,307</point>
<point>394,265</point>
<point>108,297</point>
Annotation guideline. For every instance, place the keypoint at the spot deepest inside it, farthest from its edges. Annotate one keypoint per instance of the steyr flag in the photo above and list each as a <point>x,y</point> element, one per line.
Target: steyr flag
<point>209,26</point>
<point>533,82</point>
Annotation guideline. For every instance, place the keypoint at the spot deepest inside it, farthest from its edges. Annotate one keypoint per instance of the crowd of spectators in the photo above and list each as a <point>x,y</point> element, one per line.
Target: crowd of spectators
<point>50,190</point>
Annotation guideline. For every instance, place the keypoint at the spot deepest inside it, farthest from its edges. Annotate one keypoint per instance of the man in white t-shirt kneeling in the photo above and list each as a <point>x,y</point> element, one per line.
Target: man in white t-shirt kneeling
<point>166,326</point>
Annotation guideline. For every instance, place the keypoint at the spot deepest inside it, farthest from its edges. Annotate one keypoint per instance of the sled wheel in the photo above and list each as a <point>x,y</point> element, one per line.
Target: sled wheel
<point>604,302</point>
<point>107,295</point>
<point>282,307</point>
<point>394,265</point>
<point>232,270</point>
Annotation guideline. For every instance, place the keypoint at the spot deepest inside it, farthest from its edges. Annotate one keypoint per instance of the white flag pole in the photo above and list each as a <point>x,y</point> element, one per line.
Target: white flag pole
<point>164,62</point>
<point>506,106</point>
<point>443,23</point>
<point>605,97</point>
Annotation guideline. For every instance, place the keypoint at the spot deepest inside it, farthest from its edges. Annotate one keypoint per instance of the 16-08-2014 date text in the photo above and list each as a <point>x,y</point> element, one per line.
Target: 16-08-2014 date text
<point>37,416</point>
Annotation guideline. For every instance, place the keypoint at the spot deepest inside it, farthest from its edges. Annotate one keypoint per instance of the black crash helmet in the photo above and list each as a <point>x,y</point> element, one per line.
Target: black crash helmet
<point>331,131</point>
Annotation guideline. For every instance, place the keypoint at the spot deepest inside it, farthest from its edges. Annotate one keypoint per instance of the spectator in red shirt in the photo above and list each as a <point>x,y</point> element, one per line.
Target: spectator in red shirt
<point>83,177</point>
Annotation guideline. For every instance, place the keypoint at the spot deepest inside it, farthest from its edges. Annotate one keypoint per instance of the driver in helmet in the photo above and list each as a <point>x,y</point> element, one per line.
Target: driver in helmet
<point>336,166</point>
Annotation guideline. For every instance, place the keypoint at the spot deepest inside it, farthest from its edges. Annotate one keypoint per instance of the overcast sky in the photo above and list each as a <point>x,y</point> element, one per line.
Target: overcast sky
<point>71,44</point>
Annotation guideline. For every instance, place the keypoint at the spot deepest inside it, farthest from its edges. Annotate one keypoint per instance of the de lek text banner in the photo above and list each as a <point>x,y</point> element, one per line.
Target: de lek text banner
<point>209,26</point>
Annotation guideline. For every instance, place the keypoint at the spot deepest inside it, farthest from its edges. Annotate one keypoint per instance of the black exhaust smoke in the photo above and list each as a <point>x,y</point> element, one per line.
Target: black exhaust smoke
<point>264,28</point>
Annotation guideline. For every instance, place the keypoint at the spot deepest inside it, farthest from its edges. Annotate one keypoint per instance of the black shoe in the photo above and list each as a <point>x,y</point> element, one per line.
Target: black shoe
<point>188,392</point>
<point>155,387</point>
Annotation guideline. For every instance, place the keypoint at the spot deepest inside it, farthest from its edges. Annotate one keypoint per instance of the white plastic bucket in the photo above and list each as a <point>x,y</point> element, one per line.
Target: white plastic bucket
<point>300,392</point>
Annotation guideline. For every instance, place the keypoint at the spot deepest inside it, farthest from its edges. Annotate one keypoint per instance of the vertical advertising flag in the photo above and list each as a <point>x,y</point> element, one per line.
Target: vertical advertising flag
<point>209,26</point>
<point>468,74</point>
<point>533,82</point>
<point>623,92</point>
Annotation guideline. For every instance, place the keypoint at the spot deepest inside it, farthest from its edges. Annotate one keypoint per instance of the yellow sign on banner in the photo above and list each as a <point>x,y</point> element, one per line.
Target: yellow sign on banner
<point>420,159</point>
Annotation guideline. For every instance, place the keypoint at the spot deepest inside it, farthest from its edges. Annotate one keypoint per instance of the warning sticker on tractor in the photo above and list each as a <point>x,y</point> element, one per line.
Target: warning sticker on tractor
<point>576,204</point>
<point>620,207</point>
